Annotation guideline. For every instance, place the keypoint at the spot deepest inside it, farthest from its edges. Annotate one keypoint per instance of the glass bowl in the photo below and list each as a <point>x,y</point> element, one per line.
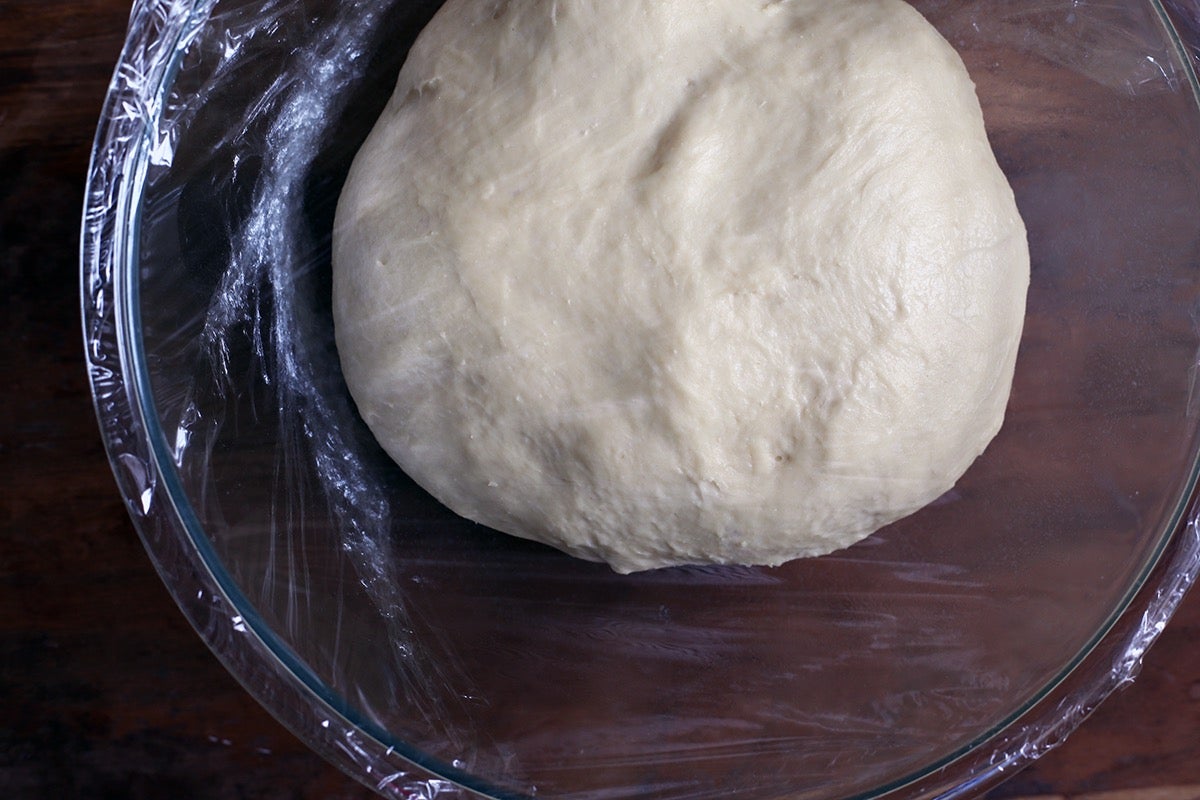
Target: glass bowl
<point>429,656</point>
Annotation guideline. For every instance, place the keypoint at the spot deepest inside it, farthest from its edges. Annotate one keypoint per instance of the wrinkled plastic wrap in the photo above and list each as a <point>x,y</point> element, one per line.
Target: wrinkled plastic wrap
<point>429,657</point>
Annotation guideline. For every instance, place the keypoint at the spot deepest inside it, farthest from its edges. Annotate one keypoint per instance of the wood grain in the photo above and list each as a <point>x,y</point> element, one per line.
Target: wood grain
<point>104,689</point>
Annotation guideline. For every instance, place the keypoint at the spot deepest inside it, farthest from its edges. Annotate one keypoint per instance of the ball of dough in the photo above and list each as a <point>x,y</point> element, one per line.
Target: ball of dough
<point>681,281</point>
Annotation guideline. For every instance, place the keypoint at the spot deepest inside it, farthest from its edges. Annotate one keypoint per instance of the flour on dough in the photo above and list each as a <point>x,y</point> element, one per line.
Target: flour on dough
<point>681,281</point>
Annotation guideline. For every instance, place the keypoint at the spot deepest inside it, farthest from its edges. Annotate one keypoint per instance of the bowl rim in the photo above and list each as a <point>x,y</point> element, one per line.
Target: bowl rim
<point>159,33</point>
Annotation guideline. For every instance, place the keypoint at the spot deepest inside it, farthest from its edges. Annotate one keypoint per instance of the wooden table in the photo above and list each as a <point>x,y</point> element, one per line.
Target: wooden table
<point>105,691</point>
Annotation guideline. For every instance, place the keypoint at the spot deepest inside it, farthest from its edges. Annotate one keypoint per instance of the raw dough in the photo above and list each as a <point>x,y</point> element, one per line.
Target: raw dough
<point>681,281</point>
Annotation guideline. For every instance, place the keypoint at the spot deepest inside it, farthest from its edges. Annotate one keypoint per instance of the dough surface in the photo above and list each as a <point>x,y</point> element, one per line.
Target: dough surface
<point>671,282</point>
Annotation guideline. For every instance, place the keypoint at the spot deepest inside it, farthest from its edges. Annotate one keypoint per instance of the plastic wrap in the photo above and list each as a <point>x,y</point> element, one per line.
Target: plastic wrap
<point>428,657</point>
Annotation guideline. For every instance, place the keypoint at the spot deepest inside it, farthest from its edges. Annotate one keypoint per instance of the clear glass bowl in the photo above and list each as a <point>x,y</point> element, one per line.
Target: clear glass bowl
<point>429,656</point>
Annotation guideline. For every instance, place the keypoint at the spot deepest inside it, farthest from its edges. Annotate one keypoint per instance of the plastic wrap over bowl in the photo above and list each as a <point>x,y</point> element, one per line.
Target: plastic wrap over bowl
<point>428,656</point>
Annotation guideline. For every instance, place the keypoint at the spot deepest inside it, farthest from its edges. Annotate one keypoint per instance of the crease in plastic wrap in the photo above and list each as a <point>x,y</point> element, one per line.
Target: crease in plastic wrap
<point>258,352</point>
<point>259,297</point>
<point>138,133</point>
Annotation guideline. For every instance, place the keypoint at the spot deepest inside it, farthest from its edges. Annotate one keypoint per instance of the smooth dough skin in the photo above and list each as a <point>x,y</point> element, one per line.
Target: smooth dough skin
<point>670,282</point>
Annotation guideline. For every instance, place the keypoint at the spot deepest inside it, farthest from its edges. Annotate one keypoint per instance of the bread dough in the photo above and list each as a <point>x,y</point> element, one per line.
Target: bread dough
<point>681,281</point>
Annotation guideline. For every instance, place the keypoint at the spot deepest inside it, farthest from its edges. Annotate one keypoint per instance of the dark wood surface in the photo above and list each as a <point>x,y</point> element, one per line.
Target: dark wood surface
<point>105,691</point>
